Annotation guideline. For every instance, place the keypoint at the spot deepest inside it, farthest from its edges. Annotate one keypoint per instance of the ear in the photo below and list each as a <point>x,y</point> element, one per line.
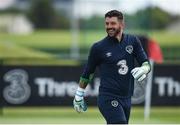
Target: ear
<point>122,24</point>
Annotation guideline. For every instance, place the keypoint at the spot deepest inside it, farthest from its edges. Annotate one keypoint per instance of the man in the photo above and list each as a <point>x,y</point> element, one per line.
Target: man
<point>114,55</point>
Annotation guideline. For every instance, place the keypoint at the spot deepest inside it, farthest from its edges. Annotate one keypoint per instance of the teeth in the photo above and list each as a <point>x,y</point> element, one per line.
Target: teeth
<point>111,31</point>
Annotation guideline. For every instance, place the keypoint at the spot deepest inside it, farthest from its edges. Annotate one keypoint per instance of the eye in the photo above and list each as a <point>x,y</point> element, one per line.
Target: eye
<point>107,23</point>
<point>113,23</point>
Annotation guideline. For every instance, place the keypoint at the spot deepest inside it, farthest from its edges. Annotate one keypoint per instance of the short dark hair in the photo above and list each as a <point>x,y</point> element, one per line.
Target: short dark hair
<point>115,13</point>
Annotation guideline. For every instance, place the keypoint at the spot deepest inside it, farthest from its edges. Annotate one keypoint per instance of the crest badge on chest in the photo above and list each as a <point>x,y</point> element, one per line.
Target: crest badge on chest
<point>129,49</point>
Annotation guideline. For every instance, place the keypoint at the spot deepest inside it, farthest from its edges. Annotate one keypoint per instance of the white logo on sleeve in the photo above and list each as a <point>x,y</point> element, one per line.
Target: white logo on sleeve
<point>108,54</point>
<point>129,49</point>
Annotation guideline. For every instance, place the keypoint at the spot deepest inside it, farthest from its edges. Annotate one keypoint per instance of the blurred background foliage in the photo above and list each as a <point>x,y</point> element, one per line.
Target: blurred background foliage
<point>52,35</point>
<point>44,16</point>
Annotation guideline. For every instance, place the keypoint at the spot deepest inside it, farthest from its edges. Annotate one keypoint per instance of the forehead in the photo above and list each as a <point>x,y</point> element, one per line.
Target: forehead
<point>110,19</point>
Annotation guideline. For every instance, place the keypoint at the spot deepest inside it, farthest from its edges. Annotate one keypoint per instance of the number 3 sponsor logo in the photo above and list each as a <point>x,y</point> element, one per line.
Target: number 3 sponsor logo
<point>18,91</point>
<point>123,67</point>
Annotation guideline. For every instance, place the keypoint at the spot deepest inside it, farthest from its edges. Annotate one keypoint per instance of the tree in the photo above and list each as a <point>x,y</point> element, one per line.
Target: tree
<point>94,22</point>
<point>149,18</point>
<point>153,18</point>
<point>42,13</point>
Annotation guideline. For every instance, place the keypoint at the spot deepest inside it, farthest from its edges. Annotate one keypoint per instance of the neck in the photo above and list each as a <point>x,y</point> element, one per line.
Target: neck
<point>119,36</point>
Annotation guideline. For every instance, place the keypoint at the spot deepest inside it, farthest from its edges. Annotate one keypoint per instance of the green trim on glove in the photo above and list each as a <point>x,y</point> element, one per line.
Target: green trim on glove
<point>85,80</point>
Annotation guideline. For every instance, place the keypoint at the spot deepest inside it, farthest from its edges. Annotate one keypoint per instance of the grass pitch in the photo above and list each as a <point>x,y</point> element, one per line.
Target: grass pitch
<point>51,44</point>
<point>67,115</point>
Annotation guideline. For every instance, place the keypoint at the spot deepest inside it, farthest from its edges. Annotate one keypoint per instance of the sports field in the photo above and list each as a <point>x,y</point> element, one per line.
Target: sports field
<point>30,45</point>
<point>66,115</point>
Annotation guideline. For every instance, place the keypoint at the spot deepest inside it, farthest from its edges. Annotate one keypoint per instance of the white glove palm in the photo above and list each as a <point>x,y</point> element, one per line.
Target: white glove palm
<point>80,106</point>
<point>140,73</point>
<point>78,102</point>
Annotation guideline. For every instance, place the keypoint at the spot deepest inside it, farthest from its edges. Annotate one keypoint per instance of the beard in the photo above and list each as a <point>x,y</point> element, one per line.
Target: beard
<point>112,32</point>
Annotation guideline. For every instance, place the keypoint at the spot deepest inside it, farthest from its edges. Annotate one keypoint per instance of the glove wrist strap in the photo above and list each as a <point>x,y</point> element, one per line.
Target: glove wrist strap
<point>146,67</point>
<point>79,94</point>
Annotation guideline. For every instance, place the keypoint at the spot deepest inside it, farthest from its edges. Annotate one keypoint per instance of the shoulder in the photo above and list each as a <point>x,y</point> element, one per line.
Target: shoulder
<point>132,39</point>
<point>99,44</point>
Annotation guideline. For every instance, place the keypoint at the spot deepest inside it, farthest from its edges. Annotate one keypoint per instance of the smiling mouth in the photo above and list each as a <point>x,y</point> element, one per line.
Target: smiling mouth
<point>111,31</point>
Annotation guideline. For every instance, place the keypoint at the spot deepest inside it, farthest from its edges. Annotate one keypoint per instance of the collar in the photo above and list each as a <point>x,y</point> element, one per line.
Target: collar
<point>115,39</point>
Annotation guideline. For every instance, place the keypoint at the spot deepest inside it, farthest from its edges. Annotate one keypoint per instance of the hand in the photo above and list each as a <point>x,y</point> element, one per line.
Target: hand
<point>139,73</point>
<point>78,102</point>
<point>79,106</point>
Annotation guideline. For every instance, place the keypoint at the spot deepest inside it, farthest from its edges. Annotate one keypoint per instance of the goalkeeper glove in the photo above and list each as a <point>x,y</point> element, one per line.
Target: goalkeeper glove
<point>140,73</point>
<point>78,102</point>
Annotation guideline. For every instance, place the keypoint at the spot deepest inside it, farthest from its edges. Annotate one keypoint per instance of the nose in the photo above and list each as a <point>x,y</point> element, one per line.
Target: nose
<point>108,26</point>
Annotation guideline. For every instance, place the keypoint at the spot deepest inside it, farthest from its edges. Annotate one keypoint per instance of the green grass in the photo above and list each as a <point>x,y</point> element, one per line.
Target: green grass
<point>40,39</point>
<point>56,43</point>
<point>166,39</point>
<point>10,50</point>
<point>13,54</point>
<point>62,38</point>
<point>56,39</point>
<point>67,115</point>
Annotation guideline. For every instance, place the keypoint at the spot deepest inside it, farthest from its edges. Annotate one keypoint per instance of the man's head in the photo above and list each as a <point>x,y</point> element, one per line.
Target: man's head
<point>114,23</point>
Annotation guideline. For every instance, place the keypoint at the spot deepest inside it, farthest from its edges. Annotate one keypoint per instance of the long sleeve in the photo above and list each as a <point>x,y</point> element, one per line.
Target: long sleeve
<point>92,63</point>
<point>139,52</point>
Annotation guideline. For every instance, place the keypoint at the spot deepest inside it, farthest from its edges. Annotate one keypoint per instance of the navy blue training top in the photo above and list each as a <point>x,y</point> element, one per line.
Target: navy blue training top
<point>115,61</point>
